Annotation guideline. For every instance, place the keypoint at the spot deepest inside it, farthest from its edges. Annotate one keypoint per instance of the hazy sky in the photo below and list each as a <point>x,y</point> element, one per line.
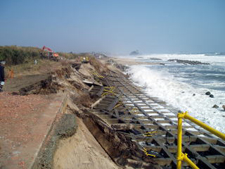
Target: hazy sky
<point>115,26</point>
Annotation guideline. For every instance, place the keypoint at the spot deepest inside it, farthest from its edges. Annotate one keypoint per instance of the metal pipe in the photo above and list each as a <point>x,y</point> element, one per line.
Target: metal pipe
<point>186,159</point>
<point>205,126</point>
<point>179,141</point>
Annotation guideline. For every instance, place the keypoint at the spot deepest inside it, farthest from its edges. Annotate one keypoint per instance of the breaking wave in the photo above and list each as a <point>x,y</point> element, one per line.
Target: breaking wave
<point>183,95</point>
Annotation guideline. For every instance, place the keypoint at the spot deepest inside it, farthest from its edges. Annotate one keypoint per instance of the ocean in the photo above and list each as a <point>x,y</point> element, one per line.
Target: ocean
<point>184,85</point>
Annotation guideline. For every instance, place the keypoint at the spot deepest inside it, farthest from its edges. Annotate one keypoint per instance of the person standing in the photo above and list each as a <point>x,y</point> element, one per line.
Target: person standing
<point>2,75</point>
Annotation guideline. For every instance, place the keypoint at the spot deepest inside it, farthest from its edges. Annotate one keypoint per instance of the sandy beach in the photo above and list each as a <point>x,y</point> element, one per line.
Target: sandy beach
<point>130,61</point>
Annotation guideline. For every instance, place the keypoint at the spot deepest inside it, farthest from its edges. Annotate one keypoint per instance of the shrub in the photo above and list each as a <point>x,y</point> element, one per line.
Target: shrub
<point>14,55</point>
<point>68,55</point>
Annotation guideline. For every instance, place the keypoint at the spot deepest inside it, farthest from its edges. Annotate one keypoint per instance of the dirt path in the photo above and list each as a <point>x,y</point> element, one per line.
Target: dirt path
<point>15,84</point>
<point>82,151</point>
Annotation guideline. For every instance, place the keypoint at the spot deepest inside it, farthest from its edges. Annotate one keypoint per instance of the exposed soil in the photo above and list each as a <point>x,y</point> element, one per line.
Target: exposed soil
<point>29,73</point>
<point>82,151</point>
<point>24,119</point>
<point>24,122</point>
<point>120,148</point>
<point>65,127</point>
<point>15,84</point>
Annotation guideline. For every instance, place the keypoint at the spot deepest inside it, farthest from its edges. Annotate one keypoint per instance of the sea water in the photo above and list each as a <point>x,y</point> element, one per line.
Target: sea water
<point>184,86</point>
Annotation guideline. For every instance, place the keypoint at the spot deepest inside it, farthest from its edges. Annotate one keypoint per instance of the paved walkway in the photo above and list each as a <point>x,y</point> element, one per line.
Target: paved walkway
<point>25,121</point>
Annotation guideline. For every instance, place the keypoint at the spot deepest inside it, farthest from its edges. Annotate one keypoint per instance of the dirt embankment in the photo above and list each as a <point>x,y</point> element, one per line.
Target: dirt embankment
<point>20,135</point>
<point>72,145</point>
<point>82,151</point>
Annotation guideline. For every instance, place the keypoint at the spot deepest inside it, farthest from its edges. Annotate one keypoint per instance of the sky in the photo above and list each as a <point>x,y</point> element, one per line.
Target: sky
<point>115,26</point>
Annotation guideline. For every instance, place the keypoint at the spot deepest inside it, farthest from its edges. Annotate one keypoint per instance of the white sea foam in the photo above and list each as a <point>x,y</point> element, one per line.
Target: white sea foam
<point>193,57</point>
<point>179,94</point>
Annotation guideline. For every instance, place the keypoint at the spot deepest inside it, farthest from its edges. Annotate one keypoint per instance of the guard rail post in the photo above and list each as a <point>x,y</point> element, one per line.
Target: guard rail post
<point>179,141</point>
<point>180,155</point>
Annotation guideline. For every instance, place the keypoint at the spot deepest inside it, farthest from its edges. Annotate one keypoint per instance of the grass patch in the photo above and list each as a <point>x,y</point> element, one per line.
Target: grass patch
<point>28,68</point>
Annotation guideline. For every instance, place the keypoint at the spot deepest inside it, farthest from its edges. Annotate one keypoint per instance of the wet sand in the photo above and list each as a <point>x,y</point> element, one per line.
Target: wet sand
<point>130,61</point>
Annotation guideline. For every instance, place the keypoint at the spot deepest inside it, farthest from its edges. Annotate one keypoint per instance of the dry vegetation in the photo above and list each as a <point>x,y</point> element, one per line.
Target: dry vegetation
<point>14,55</point>
<point>99,67</point>
<point>21,60</point>
<point>83,100</point>
<point>30,68</point>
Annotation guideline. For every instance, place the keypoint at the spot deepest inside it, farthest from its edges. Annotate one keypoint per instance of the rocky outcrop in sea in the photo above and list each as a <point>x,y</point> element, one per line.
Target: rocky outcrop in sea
<point>136,52</point>
<point>189,62</point>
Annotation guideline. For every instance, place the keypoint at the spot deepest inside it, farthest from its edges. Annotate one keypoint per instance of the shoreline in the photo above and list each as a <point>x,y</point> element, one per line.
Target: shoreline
<point>216,104</point>
<point>130,61</point>
<point>84,85</point>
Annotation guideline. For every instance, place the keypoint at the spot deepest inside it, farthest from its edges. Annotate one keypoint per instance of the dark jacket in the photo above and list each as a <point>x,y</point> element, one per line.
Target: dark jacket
<point>2,74</point>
